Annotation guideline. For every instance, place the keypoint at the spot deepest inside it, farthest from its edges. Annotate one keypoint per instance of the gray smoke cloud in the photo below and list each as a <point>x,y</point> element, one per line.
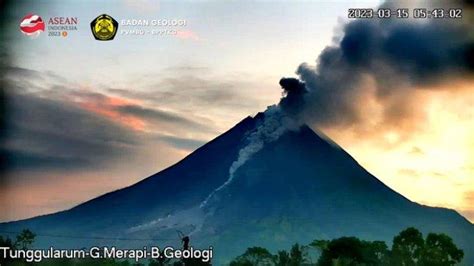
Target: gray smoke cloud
<point>398,56</point>
<point>294,92</point>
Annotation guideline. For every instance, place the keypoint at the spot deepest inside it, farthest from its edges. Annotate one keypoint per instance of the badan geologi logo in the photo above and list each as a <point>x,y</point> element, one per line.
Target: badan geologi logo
<point>32,25</point>
<point>104,27</point>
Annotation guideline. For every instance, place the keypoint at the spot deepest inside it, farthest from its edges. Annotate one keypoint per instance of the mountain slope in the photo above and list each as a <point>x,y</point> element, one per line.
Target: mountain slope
<point>295,189</point>
<point>301,188</point>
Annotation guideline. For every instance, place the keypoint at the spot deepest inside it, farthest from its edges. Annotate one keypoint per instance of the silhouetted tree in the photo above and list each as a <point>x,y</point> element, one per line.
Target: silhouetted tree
<point>407,247</point>
<point>351,251</point>
<point>6,242</point>
<point>346,250</point>
<point>439,250</point>
<point>375,252</point>
<point>254,256</point>
<point>319,244</point>
<point>282,258</point>
<point>25,239</point>
<point>297,255</point>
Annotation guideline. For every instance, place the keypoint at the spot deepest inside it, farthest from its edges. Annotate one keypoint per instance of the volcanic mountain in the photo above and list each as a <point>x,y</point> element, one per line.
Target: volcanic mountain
<point>297,188</point>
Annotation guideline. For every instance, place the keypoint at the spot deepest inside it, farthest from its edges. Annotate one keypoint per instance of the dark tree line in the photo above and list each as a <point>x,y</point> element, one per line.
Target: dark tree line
<point>409,248</point>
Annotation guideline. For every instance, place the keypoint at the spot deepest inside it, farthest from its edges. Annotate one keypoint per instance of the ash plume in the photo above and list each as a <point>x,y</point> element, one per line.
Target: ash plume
<point>294,92</point>
<point>396,56</point>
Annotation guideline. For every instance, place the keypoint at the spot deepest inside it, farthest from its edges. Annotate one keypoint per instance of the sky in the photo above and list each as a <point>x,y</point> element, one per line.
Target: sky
<point>85,117</point>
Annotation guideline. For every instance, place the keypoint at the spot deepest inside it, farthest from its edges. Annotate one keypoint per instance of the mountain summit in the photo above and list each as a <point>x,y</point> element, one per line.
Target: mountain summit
<point>298,187</point>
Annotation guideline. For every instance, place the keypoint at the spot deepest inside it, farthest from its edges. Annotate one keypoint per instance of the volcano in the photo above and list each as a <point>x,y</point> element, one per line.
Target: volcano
<point>297,188</point>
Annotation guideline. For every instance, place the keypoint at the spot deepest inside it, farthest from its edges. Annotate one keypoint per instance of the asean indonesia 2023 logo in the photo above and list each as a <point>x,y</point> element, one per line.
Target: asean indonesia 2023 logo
<point>32,25</point>
<point>104,27</point>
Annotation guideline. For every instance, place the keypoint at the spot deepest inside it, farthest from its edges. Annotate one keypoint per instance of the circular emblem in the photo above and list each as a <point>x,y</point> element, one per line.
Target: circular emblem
<point>32,25</point>
<point>104,27</point>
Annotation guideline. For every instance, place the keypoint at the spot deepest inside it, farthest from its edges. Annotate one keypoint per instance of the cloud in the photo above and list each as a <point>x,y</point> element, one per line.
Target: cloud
<point>22,79</point>
<point>190,69</point>
<point>57,125</point>
<point>159,116</point>
<point>294,92</point>
<point>106,106</point>
<point>126,110</point>
<point>469,201</point>
<point>416,151</point>
<point>188,88</point>
<point>409,172</point>
<point>469,214</point>
<point>199,95</point>
<point>142,6</point>
<point>43,133</point>
<point>19,72</point>
<point>469,198</point>
<point>181,143</point>
<point>187,35</point>
<point>376,69</point>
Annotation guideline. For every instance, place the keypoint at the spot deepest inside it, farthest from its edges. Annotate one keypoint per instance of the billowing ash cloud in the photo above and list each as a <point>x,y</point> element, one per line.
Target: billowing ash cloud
<point>293,94</point>
<point>393,56</point>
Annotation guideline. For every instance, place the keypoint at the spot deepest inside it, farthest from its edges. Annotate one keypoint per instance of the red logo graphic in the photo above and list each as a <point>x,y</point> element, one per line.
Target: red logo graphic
<point>32,25</point>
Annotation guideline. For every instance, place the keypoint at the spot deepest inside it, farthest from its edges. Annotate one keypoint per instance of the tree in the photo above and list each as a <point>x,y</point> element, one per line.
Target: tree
<point>6,242</point>
<point>342,251</point>
<point>320,244</point>
<point>351,251</point>
<point>254,256</point>
<point>297,255</point>
<point>282,258</point>
<point>375,252</point>
<point>439,250</point>
<point>407,247</point>
<point>25,239</point>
